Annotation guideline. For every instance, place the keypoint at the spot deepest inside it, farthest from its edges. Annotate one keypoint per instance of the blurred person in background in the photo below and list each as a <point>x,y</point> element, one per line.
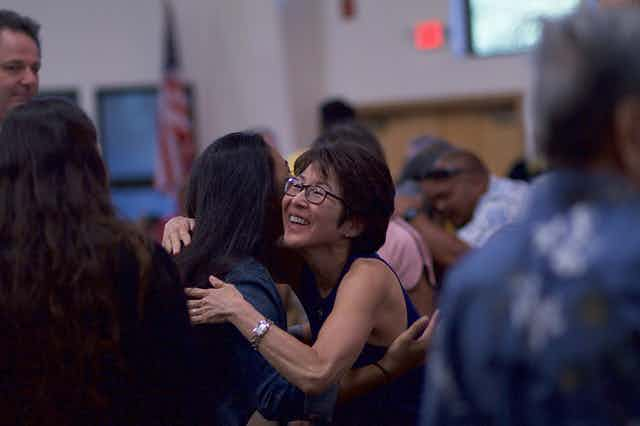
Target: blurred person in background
<point>477,203</point>
<point>422,153</point>
<point>461,191</point>
<point>93,321</point>
<point>332,111</point>
<point>335,111</point>
<point>19,60</point>
<point>414,207</point>
<point>541,326</point>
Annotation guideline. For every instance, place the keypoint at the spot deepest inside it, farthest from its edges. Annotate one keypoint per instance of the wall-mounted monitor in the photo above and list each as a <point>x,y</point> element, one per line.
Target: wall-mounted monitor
<point>502,27</point>
<point>128,134</point>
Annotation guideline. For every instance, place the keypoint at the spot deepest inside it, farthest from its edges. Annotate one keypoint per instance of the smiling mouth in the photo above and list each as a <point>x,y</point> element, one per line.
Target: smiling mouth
<point>298,220</point>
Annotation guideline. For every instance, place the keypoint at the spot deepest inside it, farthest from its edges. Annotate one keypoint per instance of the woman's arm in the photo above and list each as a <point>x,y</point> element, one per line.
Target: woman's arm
<point>341,339</point>
<point>446,248</point>
<point>275,397</point>
<point>408,351</point>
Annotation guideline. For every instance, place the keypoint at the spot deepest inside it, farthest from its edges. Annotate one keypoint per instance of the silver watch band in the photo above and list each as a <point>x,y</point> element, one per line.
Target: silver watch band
<point>259,332</point>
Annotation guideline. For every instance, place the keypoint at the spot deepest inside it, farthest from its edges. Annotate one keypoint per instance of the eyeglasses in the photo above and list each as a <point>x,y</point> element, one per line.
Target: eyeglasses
<point>440,174</point>
<point>312,193</point>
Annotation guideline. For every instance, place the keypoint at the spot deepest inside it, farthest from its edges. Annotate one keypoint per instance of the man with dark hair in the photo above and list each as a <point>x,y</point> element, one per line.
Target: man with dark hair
<point>19,60</point>
<point>478,204</point>
<point>460,189</point>
<point>542,325</point>
<point>335,111</point>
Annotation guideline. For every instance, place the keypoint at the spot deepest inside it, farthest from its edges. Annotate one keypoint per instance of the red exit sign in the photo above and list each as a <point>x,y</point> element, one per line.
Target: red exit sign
<point>428,35</point>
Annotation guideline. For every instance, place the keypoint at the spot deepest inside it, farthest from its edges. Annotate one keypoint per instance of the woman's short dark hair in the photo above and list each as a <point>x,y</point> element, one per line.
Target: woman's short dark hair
<point>586,64</point>
<point>352,132</point>
<point>233,197</point>
<point>367,188</point>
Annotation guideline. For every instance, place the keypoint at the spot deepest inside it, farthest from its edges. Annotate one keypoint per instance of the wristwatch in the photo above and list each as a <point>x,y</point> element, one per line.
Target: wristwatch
<point>259,331</point>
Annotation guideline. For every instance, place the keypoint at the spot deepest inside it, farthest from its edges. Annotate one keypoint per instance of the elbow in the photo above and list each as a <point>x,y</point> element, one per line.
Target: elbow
<point>317,381</point>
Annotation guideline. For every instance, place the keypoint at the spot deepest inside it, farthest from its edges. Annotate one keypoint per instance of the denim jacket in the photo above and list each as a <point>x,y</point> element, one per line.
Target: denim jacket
<point>238,379</point>
<point>542,325</point>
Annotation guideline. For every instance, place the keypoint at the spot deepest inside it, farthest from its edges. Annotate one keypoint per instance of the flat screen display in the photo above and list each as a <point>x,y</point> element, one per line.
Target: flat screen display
<point>500,27</point>
<point>128,133</point>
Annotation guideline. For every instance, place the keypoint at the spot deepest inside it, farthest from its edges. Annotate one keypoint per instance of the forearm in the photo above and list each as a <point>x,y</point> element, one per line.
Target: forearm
<point>300,364</point>
<point>445,248</point>
<point>359,381</point>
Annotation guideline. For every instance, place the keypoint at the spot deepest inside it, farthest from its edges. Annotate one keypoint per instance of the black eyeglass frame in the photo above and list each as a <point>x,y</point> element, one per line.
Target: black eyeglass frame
<point>441,174</point>
<point>294,181</point>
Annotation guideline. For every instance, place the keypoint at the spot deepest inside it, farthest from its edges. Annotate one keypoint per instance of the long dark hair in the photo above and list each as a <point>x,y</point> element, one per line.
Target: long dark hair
<point>59,325</point>
<point>233,197</point>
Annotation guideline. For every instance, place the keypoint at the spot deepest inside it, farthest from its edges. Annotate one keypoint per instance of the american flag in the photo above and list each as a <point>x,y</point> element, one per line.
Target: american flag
<point>176,148</point>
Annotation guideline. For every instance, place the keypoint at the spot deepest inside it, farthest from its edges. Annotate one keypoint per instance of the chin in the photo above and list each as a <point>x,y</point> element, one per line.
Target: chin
<point>290,243</point>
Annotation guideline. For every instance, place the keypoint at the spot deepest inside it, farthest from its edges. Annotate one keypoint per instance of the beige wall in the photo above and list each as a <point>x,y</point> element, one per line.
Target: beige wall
<point>372,59</point>
<point>232,52</point>
<point>263,62</point>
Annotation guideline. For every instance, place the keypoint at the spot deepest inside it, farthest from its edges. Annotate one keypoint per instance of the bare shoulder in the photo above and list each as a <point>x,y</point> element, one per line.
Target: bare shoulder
<point>371,273</point>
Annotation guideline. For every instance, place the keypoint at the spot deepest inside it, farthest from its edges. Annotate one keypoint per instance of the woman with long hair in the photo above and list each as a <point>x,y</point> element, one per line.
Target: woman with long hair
<point>234,195</point>
<point>87,306</point>
<point>335,213</point>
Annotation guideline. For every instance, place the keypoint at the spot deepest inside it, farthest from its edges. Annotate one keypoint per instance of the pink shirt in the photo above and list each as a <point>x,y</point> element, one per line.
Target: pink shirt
<point>406,252</point>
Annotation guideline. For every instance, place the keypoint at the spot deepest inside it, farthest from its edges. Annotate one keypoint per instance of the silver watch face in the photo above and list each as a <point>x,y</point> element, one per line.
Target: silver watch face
<point>262,328</point>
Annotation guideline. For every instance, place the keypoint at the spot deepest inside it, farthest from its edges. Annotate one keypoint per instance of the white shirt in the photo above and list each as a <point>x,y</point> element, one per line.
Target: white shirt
<point>499,206</point>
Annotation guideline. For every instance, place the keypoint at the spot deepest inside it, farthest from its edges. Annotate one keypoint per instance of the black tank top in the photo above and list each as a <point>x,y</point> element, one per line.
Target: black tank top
<point>393,404</point>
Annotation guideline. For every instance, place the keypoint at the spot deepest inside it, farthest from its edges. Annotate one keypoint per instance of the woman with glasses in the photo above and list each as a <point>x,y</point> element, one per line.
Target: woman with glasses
<point>234,195</point>
<point>93,322</point>
<point>335,213</point>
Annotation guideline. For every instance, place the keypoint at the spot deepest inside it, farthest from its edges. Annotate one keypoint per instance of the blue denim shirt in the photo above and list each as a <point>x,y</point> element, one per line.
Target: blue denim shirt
<point>542,325</point>
<point>238,380</point>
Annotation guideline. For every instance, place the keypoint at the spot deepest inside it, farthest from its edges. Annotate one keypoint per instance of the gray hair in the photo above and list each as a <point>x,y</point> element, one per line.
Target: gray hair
<point>585,65</point>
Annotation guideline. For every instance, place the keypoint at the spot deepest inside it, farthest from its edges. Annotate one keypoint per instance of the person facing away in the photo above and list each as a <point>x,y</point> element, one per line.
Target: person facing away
<point>19,60</point>
<point>234,196</point>
<point>93,321</point>
<point>542,325</point>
